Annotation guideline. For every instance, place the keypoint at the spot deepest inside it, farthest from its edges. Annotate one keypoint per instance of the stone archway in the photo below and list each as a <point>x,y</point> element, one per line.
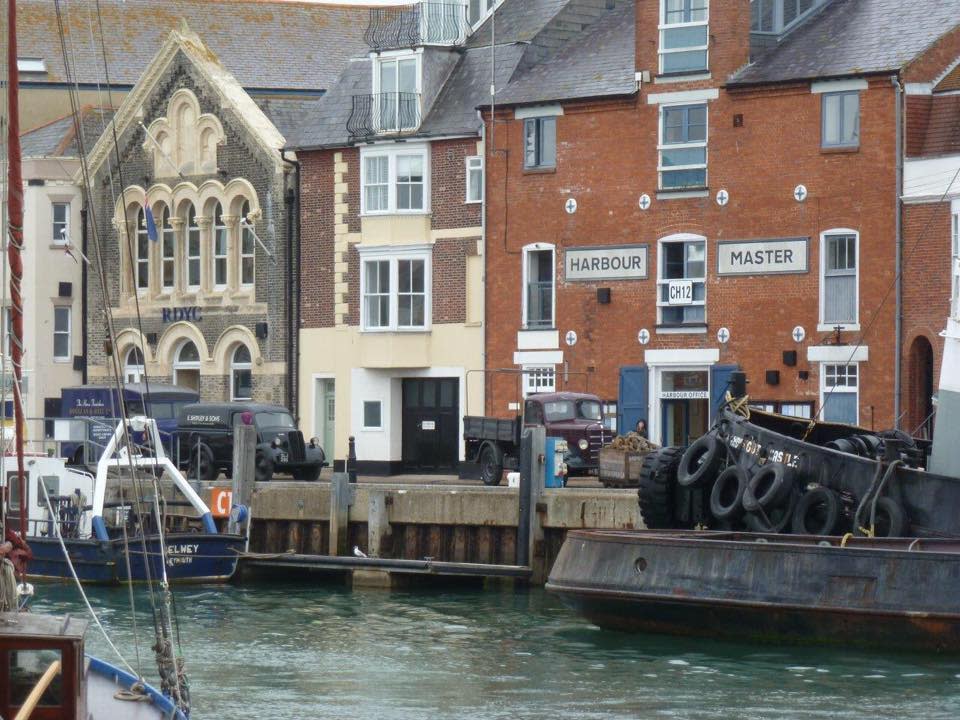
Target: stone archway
<point>920,388</point>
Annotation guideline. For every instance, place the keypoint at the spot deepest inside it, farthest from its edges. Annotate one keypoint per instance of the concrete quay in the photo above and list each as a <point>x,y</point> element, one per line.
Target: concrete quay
<point>443,524</point>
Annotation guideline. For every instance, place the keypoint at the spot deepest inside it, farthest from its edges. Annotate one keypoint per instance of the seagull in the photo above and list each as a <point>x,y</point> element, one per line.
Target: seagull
<point>358,552</point>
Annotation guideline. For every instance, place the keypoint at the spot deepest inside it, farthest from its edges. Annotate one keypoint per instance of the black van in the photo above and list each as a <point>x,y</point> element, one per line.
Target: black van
<point>206,439</point>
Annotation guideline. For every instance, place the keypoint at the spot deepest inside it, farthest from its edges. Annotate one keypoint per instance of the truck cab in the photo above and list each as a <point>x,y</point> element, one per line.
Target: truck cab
<point>493,444</point>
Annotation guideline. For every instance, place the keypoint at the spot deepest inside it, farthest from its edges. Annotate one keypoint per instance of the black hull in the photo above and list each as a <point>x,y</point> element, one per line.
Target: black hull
<point>872,594</point>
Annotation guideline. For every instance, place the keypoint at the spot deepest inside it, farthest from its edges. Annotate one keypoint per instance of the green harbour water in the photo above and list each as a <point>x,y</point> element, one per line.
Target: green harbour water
<point>289,651</point>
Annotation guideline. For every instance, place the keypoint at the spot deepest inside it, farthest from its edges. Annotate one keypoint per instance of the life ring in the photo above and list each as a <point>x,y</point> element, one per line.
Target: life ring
<point>817,512</point>
<point>726,497</point>
<point>700,462</point>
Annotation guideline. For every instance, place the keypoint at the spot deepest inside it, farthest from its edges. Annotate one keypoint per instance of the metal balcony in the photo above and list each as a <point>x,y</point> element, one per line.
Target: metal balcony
<point>384,114</point>
<point>426,23</point>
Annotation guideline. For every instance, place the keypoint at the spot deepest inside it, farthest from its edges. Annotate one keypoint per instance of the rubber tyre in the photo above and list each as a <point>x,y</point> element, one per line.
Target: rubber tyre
<point>491,465</point>
<point>307,474</point>
<point>700,462</point>
<point>780,518</point>
<point>891,519</point>
<point>726,497</point>
<point>658,484</point>
<point>817,513</point>
<point>201,465</point>
<point>263,467</point>
<point>769,487</point>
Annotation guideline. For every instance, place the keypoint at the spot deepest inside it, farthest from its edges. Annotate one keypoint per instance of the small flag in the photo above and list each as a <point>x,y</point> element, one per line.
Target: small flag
<point>151,226</point>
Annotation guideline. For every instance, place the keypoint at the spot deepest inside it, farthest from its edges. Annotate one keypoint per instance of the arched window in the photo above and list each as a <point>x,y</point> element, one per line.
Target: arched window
<point>248,247</point>
<point>168,252</point>
<point>133,366</point>
<point>192,256</point>
<point>241,374</point>
<point>220,252</point>
<point>143,252</point>
<point>186,366</point>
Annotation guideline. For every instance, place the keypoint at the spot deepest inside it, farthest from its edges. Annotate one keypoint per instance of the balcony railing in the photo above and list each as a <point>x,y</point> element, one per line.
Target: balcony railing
<point>384,113</point>
<point>426,23</point>
<point>539,305</point>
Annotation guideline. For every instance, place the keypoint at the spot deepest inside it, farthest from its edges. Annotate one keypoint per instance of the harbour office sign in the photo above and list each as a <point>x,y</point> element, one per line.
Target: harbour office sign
<point>607,262</point>
<point>763,257</point>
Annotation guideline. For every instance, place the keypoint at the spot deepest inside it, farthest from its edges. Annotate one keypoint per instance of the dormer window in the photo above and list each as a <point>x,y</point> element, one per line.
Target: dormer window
<point>776,16</point>
<point>396,88</point>
<point>683,36</point>
<point>480,10</point>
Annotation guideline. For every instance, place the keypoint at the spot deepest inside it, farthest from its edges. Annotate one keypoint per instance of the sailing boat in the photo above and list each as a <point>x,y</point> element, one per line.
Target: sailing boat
<point>44,672</point>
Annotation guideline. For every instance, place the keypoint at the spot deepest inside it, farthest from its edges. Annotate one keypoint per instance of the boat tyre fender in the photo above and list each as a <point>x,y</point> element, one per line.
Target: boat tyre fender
<point>491,465</point>
<point>769,487</point>
<point>891,520</point>
<point>774,520</point>
<point>726,497</point>
<point>700,462</point>
<point>817,512</point>
<point>658,480</point>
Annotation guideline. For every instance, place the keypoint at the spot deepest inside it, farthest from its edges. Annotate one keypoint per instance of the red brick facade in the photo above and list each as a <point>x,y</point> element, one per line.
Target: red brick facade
<point>762,143</point>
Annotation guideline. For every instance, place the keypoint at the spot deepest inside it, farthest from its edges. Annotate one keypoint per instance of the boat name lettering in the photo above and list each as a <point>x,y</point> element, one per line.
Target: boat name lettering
<point>752,447</point>
<point>180,554</point>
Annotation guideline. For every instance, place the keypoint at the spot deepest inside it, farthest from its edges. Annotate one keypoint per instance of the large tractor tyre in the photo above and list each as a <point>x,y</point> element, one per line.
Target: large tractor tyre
<point>491,465</point>
<point>699,464</point>
<point>263,470</point>
<point>658,485</point>
<point>201,464</point>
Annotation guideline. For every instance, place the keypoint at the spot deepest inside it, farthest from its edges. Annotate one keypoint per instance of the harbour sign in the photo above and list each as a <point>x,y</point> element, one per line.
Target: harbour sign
<point>619,262</point>
<point>762,257</point>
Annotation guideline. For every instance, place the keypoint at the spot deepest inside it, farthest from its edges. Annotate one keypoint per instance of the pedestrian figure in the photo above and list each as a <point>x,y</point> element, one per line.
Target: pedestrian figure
<point>641,428</point>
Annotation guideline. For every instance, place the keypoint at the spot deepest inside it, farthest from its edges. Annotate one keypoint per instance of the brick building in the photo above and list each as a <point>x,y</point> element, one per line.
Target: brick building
<point>696,186</point>
<point>201,296</point>
<point>392,332</point>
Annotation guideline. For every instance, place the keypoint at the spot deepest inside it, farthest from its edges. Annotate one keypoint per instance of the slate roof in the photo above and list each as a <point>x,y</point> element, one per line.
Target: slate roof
<point>287,114</point>
<point>854,37</point>
<point>267,45</point>
<point>58,138</point>
<point>598,63</point>
<point>516,21</point>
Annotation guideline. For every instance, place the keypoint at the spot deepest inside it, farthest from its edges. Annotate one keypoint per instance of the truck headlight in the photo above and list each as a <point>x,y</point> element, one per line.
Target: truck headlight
<point>583,444</point>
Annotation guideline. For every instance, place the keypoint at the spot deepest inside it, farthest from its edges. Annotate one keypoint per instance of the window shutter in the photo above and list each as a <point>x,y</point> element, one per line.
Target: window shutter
<point>719,384</point>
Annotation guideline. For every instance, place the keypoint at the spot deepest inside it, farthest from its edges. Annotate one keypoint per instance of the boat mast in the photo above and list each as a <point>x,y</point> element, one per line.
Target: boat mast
<point>15,244</point>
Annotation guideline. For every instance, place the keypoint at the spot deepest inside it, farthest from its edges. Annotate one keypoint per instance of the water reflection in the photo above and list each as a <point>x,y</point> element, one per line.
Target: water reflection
<point>296,651</point>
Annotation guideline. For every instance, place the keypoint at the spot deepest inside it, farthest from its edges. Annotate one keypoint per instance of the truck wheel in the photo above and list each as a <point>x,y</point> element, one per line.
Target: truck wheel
<point>308,474</point>
<point>264,467</point>
<point>201,464</point>
<point>491,465</point>
<point>658,482</point>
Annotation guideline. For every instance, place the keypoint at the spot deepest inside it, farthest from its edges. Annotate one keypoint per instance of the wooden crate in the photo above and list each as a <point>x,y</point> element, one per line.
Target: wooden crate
<point>619,468</point>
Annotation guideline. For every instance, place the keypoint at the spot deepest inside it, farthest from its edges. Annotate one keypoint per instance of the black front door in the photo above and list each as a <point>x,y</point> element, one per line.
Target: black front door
<point>431,424</point>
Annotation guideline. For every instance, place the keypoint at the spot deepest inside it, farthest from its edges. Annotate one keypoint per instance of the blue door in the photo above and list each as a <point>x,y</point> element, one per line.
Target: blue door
<point>719,384</point>
<point>632,403</point>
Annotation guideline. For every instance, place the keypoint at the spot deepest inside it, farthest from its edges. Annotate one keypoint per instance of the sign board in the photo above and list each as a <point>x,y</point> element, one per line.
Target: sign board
<point>680,292</point>
<point>685,395</point>
<point>221,499</point>
<point>428,425</point>
<point>621,262</point>
<point>763,257</point>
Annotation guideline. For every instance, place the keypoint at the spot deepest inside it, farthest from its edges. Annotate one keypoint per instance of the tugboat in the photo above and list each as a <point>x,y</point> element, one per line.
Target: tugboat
<point>778,528</point>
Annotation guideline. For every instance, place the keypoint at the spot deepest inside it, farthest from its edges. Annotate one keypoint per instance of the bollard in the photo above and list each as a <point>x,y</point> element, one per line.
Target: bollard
<point>352,459</point>
<point>341,498</point>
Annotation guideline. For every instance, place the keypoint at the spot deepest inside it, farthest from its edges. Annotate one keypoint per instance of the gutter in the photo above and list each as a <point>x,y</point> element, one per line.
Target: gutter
<point>292,201</point>
<point>898,205</point>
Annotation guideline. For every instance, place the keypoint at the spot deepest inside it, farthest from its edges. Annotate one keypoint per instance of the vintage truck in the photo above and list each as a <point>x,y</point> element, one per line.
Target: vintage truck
<point>493,444</point>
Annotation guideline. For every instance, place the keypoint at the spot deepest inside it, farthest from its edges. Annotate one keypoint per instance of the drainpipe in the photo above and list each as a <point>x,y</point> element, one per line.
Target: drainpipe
<point>83,292</point>
<point>898,325</point>
<point>292,201</point>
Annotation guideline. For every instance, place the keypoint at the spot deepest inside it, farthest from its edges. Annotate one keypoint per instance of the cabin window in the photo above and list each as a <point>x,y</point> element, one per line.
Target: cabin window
<point>26,669</point>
